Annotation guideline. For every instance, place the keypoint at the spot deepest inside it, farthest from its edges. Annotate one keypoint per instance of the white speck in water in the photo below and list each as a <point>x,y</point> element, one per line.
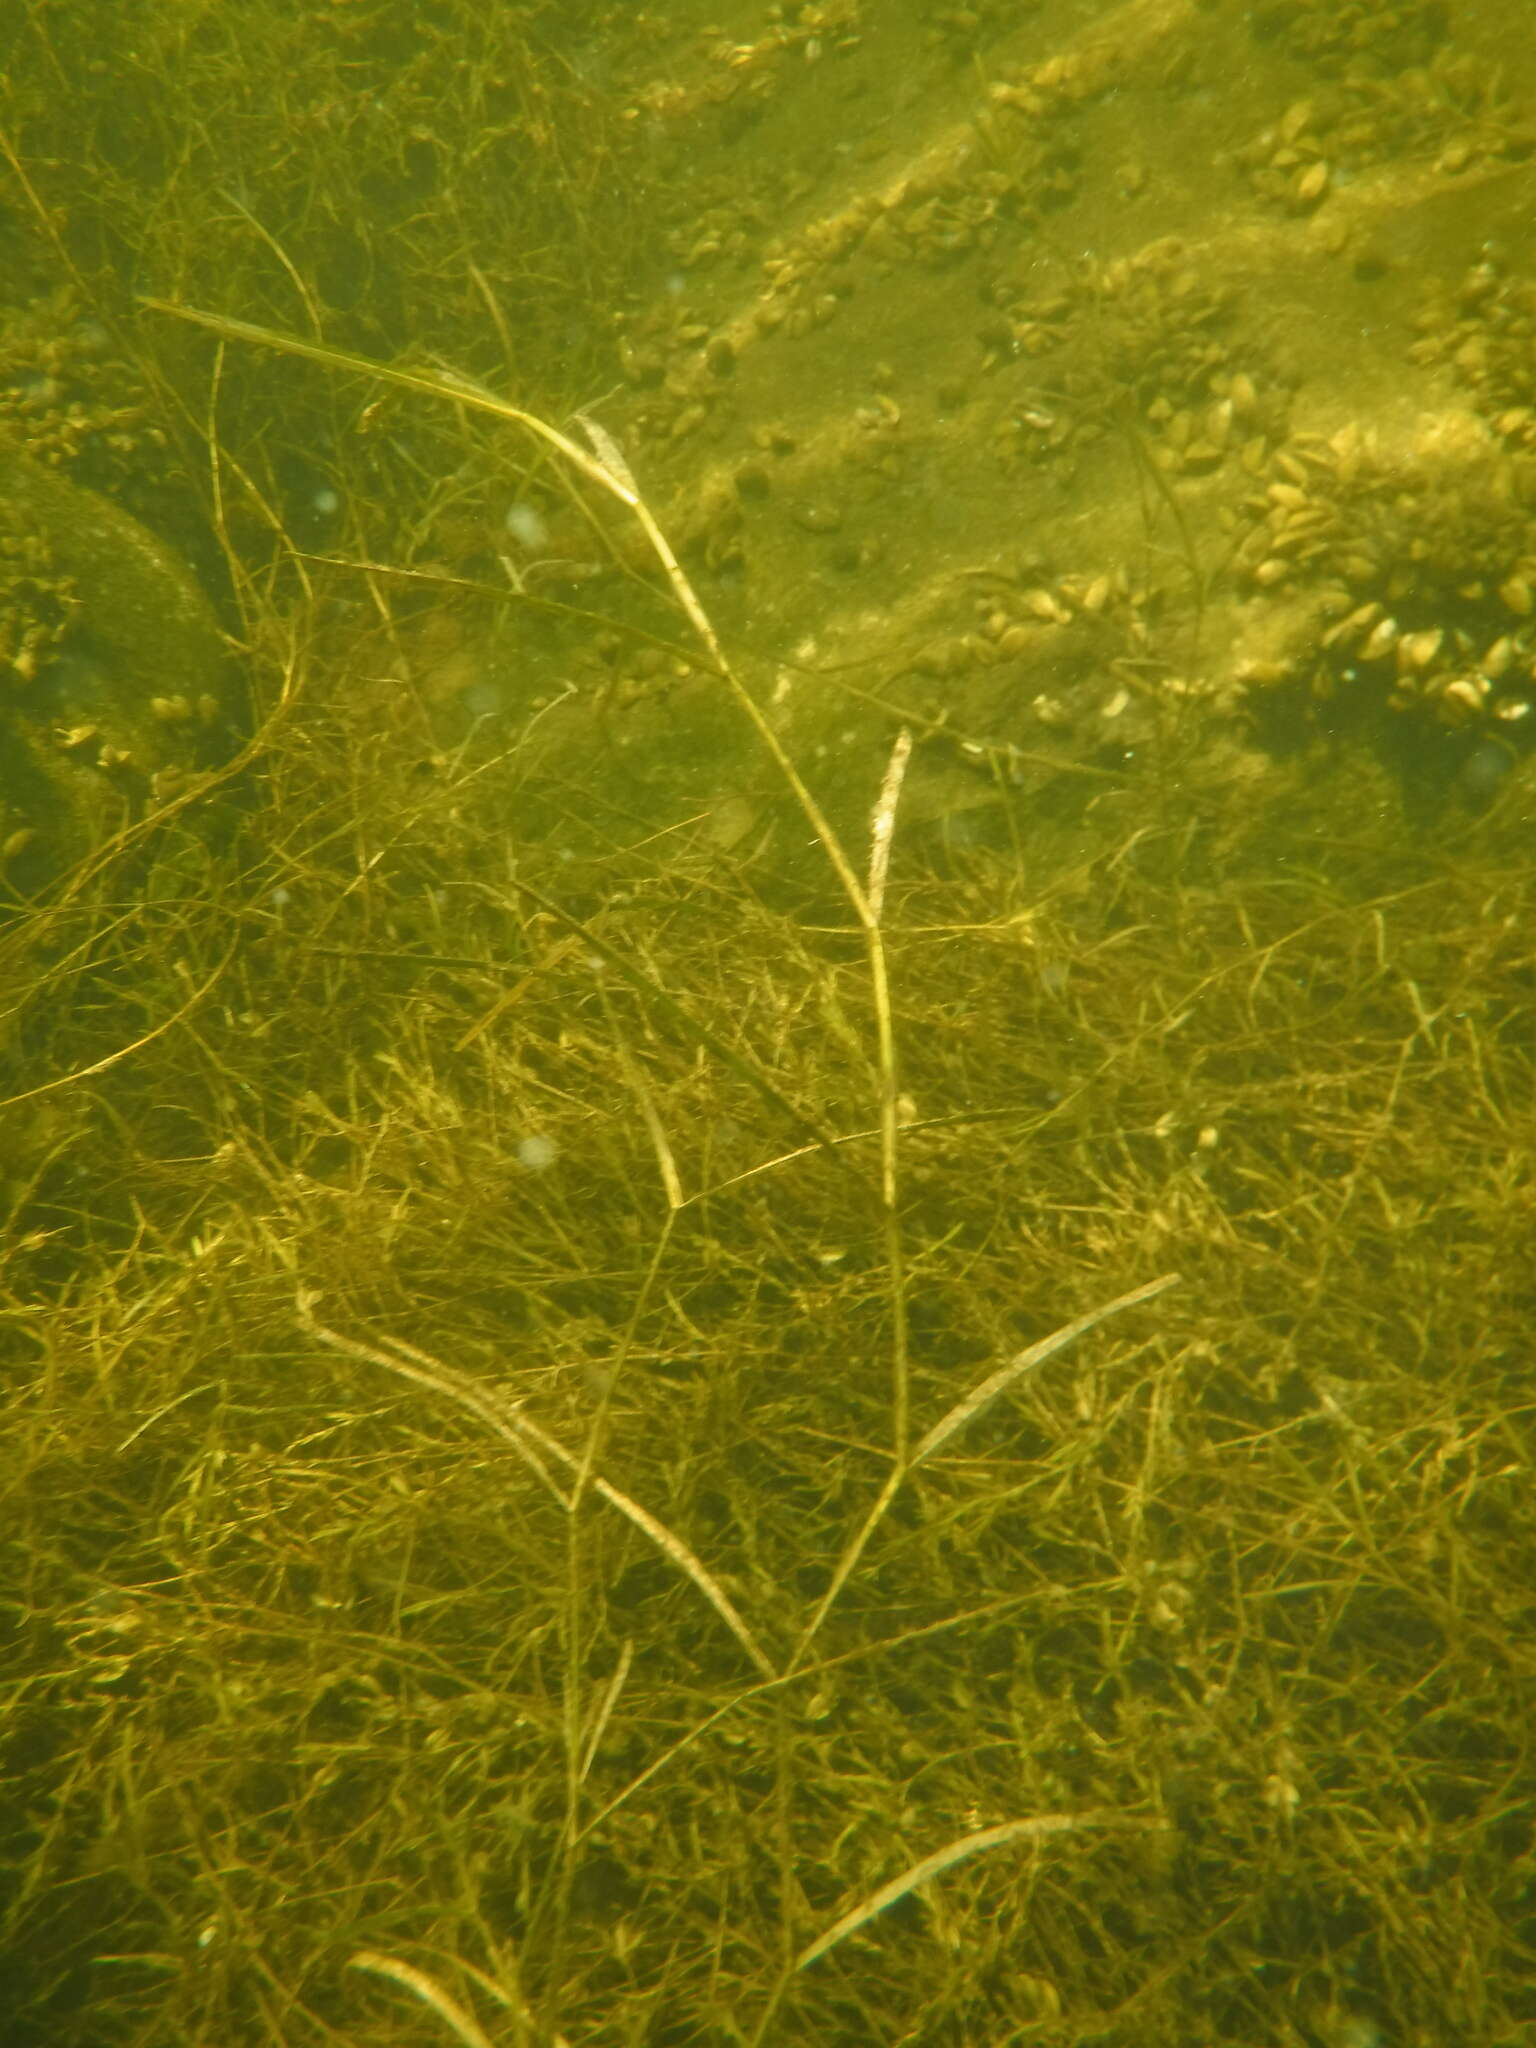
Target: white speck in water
<point>537,1154</point>
<point>1354,2031</point>
<point>483,698</point>
<point>527,524</point>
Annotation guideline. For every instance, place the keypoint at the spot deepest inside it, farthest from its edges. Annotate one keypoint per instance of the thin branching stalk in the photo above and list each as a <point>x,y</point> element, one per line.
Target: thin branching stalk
<point>606,467</point>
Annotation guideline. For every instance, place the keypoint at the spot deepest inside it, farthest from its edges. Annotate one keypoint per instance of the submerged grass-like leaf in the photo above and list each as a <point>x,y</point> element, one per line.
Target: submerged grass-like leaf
<point>429,1991</point>
<point>981,1398</point>
<point>1035,1829</point>
<point>528,1440</point>
<point>975,1403</point>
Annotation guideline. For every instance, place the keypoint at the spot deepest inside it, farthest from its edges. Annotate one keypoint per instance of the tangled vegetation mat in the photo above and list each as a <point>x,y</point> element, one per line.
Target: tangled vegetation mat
<point>769,972</point>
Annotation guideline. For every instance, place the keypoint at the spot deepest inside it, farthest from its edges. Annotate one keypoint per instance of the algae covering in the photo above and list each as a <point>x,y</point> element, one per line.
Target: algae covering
<point>767,1150</point>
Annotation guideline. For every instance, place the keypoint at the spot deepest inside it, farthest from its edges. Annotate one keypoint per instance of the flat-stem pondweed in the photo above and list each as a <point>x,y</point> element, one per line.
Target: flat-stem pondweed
<point>603,465</point>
